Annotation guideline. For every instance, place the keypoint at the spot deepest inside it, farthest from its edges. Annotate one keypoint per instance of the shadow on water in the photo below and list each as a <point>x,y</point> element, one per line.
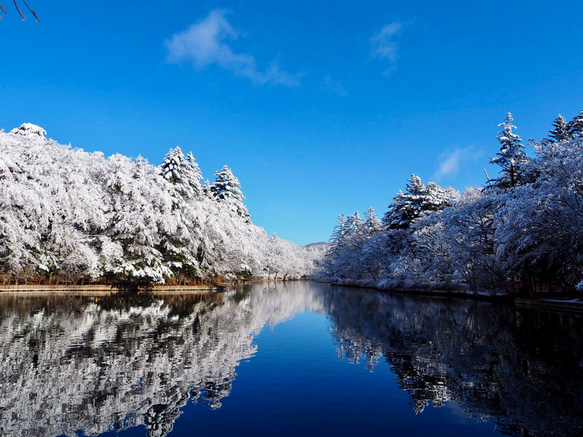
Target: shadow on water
<point>114,363</point>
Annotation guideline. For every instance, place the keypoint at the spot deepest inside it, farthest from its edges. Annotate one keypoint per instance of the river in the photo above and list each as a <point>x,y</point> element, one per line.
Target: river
<point>295,358</point>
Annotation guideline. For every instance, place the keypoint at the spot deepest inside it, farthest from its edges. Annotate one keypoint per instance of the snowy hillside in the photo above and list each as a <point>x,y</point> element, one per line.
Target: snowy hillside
<point>69,216</point>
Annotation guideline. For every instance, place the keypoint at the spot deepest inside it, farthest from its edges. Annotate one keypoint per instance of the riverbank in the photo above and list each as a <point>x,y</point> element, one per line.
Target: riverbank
<point>554,304</point>
<point>103,290</point>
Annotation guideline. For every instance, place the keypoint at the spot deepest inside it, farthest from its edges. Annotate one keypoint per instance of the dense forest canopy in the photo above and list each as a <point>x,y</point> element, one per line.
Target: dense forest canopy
<point>523,231</point>
<point>69,216</point>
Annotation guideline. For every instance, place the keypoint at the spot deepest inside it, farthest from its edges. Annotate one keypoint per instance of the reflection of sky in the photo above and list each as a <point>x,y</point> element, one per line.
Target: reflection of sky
<point>297,385</point>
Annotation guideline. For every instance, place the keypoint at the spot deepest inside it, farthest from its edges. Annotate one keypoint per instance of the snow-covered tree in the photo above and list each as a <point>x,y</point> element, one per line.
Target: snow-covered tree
<point>575,126</point>
<point>527,237</point>
<point>227,189</point>
<point>561,131</point>
<point>172,166</point>
<point>539,229</point>
<point>183,172</point>
<point>372,223</point>
<point>415,201</point>
<point>193,171</point>
<point>29,129</point>
<point>511,155</point>
<point>70,216</point>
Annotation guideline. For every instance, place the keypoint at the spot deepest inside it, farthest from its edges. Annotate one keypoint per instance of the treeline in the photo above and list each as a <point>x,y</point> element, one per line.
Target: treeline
<point>522,232</point>
<point>68,216</point>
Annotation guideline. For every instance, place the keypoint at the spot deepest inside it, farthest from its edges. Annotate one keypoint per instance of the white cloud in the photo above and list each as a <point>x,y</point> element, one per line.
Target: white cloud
<point>206,42</point>
<point>385,45</point>
<point>334,86</point>
<point>450,162</point>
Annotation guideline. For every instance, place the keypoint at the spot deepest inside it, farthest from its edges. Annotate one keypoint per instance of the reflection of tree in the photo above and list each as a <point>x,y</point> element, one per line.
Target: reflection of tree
<point>74,363</point>
<point>71,363</point>
<point>519,369</point>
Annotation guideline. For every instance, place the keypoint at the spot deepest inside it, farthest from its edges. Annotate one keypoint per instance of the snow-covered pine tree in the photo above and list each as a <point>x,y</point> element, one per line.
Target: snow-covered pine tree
<point>227,188</point>
<point>406,206</point>
<point>510,157</point>
<point>29,129</point>
<point>172,166</point>
<point>196,172</point>
<point>192,175</point>
<point>355,223</point>
<point>560,130</point>
<point>372,223</point>
<point>339,230</point>
<point>575,126</point>
<point>417,199</point>
<point>206,189</point>
<point>183,172</point>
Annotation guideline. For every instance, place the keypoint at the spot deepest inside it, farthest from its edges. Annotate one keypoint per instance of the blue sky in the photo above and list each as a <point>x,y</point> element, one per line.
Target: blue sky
<point>319,108</point>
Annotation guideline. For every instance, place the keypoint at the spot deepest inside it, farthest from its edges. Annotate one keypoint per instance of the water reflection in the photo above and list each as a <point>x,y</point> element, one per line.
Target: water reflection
<point>75,363</point>
<point>521,370</point>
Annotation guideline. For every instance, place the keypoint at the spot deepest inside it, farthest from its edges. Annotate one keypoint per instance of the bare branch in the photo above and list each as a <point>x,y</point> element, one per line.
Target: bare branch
<point>19,11</point>
<point>31,11</point>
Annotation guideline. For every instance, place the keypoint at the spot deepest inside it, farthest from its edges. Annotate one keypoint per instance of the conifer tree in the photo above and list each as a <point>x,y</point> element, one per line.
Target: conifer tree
<point>339,231</point>
<point>196,173</point>
<point>560,131</point>
<point>227,188</point>
<point>511,155</point>
<point>183,172</point>
<point>372,223</point>
<point>417,199</point>
<point>171,167</point>
<point>192,175</point>
<point>575,126</point>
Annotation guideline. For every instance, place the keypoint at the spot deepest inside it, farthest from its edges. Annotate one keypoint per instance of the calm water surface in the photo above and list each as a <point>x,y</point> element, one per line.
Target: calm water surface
<point>287,359</point>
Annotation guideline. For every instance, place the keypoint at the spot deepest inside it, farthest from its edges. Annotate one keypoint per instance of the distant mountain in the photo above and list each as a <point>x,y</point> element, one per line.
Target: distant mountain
<point>320,246</point>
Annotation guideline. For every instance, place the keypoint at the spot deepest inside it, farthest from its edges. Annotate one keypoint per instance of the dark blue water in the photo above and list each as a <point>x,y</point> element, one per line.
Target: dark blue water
<point>286,359</point>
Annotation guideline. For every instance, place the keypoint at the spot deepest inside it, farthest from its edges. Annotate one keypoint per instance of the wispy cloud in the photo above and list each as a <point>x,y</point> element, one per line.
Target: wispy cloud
<point>334,87</point>
<point>385,44</point>
<point>451,161</point>
<point>207,42</point>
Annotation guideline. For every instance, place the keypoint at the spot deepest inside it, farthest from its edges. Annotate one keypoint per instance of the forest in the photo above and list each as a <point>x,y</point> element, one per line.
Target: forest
<point>72,217</point>
<point>522,232</point>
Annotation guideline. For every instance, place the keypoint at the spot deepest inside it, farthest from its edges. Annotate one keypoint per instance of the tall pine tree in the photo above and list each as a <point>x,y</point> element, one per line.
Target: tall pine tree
<point>417,199</point>
<point>560,131</point>
<point>511,155</point>
<point>183,172</point>
<point>227,188</point>
<point>575,126</point>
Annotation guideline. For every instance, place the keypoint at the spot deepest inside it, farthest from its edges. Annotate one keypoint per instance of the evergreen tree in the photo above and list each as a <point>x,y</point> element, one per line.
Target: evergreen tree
<point>192,175</point>
<point>339,231</point>
<point>575,126</point>
<point>196,173</point>
<point>560,131</point>
<point>416,200</point>
<point>183,172</point>
<point>206,189</point>
<point>511,155</point>
<point>227,188</point>
<point>372,223</point>
<point>171,167</point>
<point>354,223</point>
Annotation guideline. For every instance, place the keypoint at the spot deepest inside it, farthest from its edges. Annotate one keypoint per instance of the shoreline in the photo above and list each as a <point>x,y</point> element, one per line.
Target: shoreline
<point>102,290</point>
<point>549,303</point>
<point>535,302</point>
